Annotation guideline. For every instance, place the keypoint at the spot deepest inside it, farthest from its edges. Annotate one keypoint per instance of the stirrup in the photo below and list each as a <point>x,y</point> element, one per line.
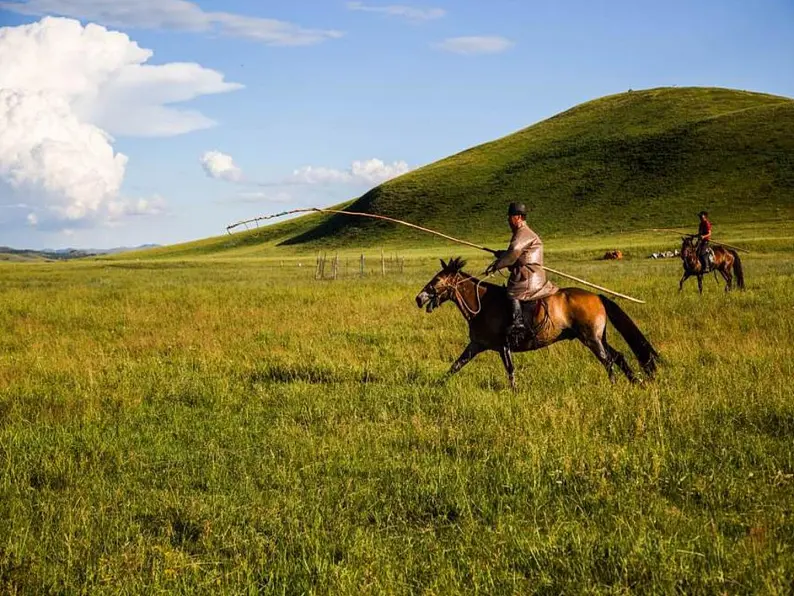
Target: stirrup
<point>516,334</point>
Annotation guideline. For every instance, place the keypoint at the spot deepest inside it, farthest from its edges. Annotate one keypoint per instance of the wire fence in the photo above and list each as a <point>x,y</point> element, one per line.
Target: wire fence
<point>335,267</point>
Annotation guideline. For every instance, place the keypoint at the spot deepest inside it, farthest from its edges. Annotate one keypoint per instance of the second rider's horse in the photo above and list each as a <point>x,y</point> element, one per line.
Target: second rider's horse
<point>726,262</point>
<point>571,313</point>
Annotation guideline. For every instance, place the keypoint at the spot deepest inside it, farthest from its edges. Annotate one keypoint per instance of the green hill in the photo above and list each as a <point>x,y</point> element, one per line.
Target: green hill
<point>624,162</point>
<point>627,161</point>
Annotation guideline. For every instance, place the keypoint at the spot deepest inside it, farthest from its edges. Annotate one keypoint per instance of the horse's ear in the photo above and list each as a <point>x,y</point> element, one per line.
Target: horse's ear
<point>443,264</point>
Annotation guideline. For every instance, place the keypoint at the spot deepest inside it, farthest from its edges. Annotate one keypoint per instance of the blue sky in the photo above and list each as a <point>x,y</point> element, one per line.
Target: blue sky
<point>343,82</point>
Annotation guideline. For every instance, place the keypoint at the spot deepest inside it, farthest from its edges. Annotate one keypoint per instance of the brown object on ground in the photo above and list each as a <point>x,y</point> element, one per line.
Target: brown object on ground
<point>612,255</point>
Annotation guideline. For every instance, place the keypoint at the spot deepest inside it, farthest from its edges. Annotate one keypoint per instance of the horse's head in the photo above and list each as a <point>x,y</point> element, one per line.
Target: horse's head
<point>688,249</point>
<point>442,287</point>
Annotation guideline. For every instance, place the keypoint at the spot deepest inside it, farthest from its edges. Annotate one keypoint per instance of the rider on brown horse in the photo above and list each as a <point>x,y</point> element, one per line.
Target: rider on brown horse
<point>704,235</point>
<point>524,259</point>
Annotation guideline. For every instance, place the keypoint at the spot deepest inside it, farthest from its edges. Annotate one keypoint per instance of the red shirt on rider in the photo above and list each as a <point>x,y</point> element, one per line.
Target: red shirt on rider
<point>704,230</point>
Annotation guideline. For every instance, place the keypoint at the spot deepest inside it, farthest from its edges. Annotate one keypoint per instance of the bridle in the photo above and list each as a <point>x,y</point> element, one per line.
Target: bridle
<point>454,286</point>
<point>689,252</point>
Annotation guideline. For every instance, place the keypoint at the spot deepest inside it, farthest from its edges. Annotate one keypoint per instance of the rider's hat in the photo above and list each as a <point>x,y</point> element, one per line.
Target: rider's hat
<point>702,213</point>
<point>517,209</point>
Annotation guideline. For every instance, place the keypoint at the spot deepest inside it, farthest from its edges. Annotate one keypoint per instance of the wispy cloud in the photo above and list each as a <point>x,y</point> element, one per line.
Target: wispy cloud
<point>142,206</point>
<point>175,14</point>
<point>475,45</point>
<point>371,171</point>
<point>254,197</point>
<point>399,10</point>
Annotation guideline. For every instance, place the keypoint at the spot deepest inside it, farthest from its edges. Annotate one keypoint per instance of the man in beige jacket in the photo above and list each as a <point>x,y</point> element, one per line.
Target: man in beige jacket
<point>524,259</point>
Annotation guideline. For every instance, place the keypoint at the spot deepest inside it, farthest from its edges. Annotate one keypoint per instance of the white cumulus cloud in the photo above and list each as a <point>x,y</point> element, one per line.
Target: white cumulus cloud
<point>220,166</point>
<point>376,171</point>
<point>475,45</point>
<point>175,14</point>
<point>371,171</point>
<point>65,89</point>
<point>399,10</point>
<point>44,145</point>
<point>104,78</point>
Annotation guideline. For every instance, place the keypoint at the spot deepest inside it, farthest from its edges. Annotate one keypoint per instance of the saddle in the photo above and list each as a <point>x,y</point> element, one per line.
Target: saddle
<point>708,258</point>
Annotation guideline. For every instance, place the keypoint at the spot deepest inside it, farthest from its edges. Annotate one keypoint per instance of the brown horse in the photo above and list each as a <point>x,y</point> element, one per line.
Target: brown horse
<point>726,262</point>
<point>571,313</point>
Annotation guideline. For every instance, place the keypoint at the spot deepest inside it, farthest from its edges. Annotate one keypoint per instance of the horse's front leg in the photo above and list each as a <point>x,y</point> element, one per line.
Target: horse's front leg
<point>507,360</point>
<point>700,284</point>
<point>470,352</point>
<point>683,279</point>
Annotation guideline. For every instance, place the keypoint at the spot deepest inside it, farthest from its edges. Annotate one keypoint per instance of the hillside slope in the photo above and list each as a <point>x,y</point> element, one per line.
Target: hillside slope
<point>627,161</point>
<point>256,241</point>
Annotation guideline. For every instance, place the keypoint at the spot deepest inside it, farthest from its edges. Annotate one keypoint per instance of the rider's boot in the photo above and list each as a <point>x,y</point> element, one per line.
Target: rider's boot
<point>706,261</point>
<point>516,328</point>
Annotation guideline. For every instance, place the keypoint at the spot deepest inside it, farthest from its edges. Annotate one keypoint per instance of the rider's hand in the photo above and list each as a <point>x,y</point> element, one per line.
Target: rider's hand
<point>498,254</point>
<point>491,268</point>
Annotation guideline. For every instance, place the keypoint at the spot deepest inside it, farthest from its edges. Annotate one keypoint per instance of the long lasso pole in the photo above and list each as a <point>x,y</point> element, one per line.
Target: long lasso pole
<point>429,231</point>
<point>370,215</point>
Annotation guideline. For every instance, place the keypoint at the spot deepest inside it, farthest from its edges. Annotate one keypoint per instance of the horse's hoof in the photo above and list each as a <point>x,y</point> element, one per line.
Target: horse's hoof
<point>442,380</point>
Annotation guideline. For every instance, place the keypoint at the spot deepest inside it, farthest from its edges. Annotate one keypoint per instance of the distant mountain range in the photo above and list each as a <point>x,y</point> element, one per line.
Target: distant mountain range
<point>61,254</point>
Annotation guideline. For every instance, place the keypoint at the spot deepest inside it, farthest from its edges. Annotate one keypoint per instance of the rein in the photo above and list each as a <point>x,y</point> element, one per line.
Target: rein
<point>455,285</point>
<point>690,256</point>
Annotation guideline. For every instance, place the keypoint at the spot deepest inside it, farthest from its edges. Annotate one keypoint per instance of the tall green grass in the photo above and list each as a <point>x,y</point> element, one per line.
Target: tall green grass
<point>210,425</point>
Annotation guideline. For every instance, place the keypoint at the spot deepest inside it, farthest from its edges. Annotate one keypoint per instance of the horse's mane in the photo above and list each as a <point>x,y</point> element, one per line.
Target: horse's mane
<point>456,265</point>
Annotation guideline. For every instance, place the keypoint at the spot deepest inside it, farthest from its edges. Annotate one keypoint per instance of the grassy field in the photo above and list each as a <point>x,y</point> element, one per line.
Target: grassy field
<point>212,424</point>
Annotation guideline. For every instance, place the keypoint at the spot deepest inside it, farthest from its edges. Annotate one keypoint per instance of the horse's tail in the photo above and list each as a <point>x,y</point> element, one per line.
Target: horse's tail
<point>639,344</point>
<point>737,267</point>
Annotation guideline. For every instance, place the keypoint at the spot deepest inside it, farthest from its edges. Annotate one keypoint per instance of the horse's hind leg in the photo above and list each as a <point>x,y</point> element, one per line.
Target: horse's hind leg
<point>619,359</point>
<point>470,352</point>
<point>507,360</point>
<point>728,279</point>
<point>597,347</point>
